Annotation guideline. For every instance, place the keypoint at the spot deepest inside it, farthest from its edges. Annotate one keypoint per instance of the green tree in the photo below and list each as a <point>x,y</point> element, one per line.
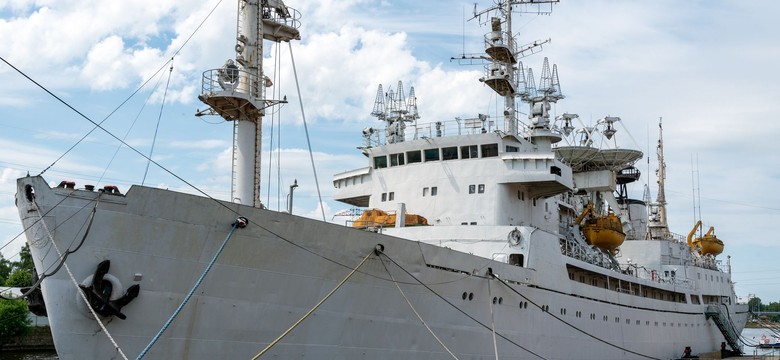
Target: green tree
<point>25,259</point>
<point>754,304</point>
<point>14,318</point>
<point>19,278</point>
<point>5,269</point>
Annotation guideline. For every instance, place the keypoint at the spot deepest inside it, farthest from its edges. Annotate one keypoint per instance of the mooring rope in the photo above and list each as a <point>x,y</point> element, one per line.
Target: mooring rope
<point>594,337</point>
<point>240,222</point>
<point>492,321</point>
<point>415,311</point>
<point>457,308</point>
<point>76,283</point>
<point>312,309</point>
<point>61,259</point>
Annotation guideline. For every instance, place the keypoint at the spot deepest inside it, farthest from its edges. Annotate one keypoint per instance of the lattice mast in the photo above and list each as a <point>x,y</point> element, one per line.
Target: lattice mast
<point>658,226</point>
<point>237,90</point>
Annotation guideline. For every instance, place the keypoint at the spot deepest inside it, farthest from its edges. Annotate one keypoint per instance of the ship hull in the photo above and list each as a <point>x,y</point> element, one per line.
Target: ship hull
<point>280,266</point>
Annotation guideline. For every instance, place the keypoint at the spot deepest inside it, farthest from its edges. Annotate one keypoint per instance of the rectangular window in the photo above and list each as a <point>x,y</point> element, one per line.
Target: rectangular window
<point>391,196</point>
<point>510,148</point>
<point>434,191</point>
<point>481,188</point>
<point>413,156</point>
<point>489,150</point>
<point>384,196</point>
<point>472,189</point>
<point>425,191</point>
<point>431,154</point>
<point>380,162</point>
<point>396,159</point>
<point>469,152</point>
<point>449,153</point>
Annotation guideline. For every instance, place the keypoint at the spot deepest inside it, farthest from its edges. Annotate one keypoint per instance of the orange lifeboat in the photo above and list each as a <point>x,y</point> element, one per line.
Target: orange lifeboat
<point>709,244</point>
<point>603,232</point>
<point>379,218</point>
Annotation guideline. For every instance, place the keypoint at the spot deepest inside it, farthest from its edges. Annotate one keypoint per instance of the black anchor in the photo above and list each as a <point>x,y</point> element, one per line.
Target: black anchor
<point>99,293</point>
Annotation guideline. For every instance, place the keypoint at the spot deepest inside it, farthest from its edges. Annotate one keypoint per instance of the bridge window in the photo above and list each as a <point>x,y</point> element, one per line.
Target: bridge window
<point>555,170</point>
<point>431,154</point>
<point>481,188</point>
<point>510,148</point>
<point>413,156</point>
<point>469,152</point>
<point>489,150</point>
<point>391,196</point>
<point>449,153</point>
<point>396,159</point>
<point>425,191</point>
<point>434,191</point>
<point>380,162</point>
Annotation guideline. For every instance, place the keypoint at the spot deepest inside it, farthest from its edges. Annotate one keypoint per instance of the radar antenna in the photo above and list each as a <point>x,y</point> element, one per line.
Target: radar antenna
<point>395,110</point>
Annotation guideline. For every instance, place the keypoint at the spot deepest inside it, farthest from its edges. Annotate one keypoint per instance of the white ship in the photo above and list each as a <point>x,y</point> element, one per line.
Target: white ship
<point>480,238</point>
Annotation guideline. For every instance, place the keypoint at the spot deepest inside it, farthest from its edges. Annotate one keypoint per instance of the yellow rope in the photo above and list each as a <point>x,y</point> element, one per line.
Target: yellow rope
<point>312,309</point>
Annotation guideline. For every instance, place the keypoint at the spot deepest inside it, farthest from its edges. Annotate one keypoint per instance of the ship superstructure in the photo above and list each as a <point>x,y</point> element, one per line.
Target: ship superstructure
<point>481,237</point>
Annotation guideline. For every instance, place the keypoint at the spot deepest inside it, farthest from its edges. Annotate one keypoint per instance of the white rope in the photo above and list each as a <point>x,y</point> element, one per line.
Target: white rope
<point>76,284</point>
<point>416,313</point>
<point>492,321</point>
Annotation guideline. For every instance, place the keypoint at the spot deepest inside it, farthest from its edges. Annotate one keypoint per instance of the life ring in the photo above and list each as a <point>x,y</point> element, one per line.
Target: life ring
<point>514,237</point>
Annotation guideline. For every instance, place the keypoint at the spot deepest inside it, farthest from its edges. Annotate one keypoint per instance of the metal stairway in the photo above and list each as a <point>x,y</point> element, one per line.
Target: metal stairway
<point>725,326</point>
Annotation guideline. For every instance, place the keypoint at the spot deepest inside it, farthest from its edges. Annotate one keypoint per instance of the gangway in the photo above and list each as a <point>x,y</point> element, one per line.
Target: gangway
<point>725,326</point>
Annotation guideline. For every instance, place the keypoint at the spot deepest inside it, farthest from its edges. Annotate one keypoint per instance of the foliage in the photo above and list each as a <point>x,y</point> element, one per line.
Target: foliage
<point>8,268</point>
<point>25,259</point>
<point>14,319</point>
<point>19,278</point>
<point>754,303</point>
<point>5,269</point>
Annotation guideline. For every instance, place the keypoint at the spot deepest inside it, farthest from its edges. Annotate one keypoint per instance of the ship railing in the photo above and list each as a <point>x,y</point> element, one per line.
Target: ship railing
<point>458,126</point>
<point>288,17</point>
<point>368,225</point>
<point>229,80</point>
<point>574,250</point>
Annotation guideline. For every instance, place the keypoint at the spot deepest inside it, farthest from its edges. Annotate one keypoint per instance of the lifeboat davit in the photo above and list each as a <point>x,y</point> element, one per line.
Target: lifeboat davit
<point>380,218</point>
<point>709,244</point>
<point>603,232</point>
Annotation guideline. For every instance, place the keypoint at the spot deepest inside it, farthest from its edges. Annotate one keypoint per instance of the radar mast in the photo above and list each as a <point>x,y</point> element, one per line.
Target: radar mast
<point>237,90</point>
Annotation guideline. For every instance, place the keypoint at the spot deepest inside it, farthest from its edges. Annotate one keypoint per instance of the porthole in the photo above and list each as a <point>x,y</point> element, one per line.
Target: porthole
<point>500,300</point>
<point>465,295</point>
<point>471,296</point>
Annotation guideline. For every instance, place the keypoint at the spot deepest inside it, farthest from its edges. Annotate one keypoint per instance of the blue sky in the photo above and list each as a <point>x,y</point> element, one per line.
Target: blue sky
<point>707,67</point>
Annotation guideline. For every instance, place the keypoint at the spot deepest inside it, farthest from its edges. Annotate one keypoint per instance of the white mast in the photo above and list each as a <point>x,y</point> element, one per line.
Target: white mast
<point>505,75</point>
<point>237,91</point>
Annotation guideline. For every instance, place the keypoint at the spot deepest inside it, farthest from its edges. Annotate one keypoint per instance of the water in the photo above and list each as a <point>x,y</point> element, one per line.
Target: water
<point>753,336</point>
